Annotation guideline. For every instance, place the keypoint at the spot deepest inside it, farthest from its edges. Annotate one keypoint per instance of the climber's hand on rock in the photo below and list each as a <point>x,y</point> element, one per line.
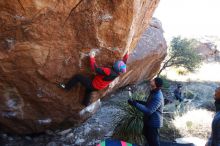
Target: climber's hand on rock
<point>127,52</point>
<point>92,53</point>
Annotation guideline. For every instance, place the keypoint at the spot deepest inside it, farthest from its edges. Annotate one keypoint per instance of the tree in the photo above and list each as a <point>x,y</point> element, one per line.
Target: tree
<point>182,54</point>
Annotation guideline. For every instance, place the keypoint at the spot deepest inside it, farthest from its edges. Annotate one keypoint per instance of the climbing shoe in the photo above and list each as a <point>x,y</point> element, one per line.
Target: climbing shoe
<point>61,85</point>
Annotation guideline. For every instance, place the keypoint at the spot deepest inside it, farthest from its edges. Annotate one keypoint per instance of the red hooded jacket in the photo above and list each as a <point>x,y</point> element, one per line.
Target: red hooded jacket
<point>104,75</point>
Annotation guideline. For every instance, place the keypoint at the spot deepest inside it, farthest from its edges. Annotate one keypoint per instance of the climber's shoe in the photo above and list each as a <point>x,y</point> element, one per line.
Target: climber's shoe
<point>61,85</point>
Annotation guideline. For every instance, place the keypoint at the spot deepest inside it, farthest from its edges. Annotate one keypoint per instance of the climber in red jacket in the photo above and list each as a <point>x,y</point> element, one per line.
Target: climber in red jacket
<point>103,78</point>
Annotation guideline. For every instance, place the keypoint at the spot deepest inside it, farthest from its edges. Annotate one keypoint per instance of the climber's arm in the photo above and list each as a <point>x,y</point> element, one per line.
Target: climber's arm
<point>125,58</point>
<point>97,69</point>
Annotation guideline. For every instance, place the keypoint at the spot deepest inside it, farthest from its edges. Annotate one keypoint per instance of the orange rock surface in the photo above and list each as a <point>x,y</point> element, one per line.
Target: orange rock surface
<point>44,42</point>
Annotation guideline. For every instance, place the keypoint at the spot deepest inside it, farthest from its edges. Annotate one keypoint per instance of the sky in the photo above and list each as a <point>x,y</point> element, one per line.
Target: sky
<point>189,18</point>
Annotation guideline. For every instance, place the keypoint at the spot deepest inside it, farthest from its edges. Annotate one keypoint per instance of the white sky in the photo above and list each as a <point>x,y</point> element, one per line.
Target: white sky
<point>189,18</point>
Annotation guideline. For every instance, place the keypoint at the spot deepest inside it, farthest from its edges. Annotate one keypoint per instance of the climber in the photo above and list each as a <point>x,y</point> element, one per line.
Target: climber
<point>103,78</point>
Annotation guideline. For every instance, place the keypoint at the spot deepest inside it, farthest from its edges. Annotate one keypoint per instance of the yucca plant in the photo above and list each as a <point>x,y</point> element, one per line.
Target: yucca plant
<point>130,122</point>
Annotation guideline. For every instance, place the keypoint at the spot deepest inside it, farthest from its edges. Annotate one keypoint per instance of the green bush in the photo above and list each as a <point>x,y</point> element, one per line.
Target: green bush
<point>166,83</point>
<point>182,53</point>
<point>182,72</point>
<point>130,123</point>
<point>189,94</point>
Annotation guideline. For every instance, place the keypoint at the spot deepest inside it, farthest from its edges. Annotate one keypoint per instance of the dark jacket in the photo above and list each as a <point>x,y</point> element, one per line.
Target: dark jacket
<point>152,109</point>
<point>214,140</point>
<point>177,93</point>
<point>104,75</point>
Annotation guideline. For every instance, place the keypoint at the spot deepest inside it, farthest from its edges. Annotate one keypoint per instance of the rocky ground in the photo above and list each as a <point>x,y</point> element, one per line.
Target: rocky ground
<point>100,126</point>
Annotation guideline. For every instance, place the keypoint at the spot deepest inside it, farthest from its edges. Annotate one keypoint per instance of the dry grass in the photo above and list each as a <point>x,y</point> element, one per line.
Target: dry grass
<point>207,72</point>
<point>193,117</point>
<point>195,123</point>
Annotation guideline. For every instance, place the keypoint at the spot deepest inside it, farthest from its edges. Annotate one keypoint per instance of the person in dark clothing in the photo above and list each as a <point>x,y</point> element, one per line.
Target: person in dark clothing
<point>214,140</point>
<point>153,112</point>
<point>177,93</point>
<point>103,78</point>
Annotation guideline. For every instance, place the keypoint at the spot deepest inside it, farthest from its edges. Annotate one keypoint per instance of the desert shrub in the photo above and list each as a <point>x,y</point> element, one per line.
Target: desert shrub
<point>130,123</point>
<point>192,123</point>
<point>182,72</point>
<point>166,83</point>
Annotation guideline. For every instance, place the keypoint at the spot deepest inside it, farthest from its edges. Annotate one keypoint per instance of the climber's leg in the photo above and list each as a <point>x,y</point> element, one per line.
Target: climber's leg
<point>85,81</point>
<point>75,79</point>
<point>87,97</point>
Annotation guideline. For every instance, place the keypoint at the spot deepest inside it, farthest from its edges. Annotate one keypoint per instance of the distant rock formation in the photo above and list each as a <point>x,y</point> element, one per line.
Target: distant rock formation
<point>45,42</point>
<point>208,51</point>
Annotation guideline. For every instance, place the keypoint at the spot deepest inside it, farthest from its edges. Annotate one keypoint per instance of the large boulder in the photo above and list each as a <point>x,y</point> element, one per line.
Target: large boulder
<point>44,42</point>
<point>144,62</point>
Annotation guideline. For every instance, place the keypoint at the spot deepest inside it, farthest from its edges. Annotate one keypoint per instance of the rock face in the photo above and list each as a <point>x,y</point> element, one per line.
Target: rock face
<point>45,42</point>
<point>145,60</point>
